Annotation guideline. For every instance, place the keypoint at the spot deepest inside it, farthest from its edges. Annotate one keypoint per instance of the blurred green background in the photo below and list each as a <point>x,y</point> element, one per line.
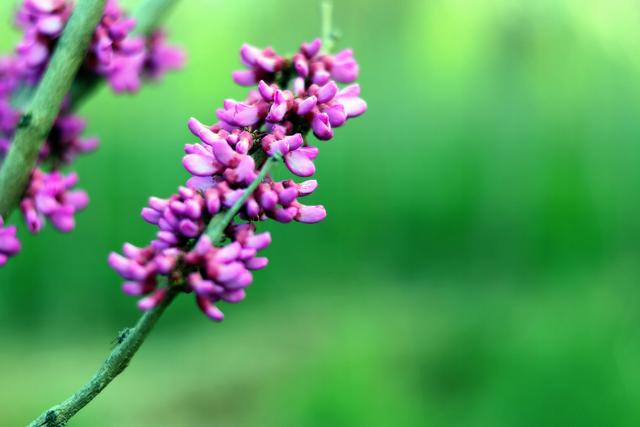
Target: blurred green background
<point>479,265</point>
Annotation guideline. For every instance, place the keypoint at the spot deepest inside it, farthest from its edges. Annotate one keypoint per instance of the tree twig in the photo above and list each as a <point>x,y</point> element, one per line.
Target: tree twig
<point>326,13</point>
<point>129,342</point>
<point>39,116</point>
<point>127,345</point>
<point>150,13</point>
<point>133,338</point>
<point>220,222</point>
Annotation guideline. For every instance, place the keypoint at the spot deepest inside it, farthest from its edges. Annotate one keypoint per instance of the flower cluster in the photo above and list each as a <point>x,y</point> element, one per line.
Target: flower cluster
<point>42,23</point>
<point>314,98</point>
<point>9,116</point>
<point>65,143</point>
<point>115,54</point>
<point>227,269</point>
<point>50,195</point>
<point>9,243</point>
<point>193,249</point>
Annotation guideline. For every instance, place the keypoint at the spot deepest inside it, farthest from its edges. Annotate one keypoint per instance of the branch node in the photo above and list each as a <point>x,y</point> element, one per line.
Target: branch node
<point>25,120</point>
<point>51,420</point>
<point>122,335</point>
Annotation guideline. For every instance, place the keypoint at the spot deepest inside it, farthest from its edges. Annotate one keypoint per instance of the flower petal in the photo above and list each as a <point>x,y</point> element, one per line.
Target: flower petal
<point>299,164</point>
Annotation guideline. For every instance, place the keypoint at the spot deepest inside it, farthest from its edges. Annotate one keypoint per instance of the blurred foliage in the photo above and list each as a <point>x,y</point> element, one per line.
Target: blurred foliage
<point>479,265</point>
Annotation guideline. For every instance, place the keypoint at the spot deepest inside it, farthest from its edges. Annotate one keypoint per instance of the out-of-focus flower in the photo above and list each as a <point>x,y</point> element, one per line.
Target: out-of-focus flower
<point>50,196</point>
<point>114,54</point>
<point>9,243</point>
<point>162,57</point>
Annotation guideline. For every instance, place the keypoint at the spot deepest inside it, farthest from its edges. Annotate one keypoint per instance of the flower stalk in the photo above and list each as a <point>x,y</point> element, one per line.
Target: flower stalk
<point>326,11</point>
<point>129,341</point>
<point>231,181</point>
<point>150,13</point>
<point>38,118</point>
<point>45,139</point>
<point>216,226</point>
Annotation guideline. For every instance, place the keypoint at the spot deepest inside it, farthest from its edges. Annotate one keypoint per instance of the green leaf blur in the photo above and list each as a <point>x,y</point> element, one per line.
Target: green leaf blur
<point>478,267</point>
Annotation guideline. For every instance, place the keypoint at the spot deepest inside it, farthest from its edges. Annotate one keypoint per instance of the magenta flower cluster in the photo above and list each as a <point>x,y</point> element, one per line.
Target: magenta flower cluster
<point>115,54</point>
<point>294,96</point>
<point>50,196</point>
<point>9,243</point>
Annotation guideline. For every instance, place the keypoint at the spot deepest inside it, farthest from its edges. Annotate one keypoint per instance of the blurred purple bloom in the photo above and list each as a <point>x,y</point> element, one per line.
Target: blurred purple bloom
<point>115,55</point>
<point>64,143</point>
<point>162,57</point>
<point>9,243</point>
<point>50,196</point>
<point>42,22</point>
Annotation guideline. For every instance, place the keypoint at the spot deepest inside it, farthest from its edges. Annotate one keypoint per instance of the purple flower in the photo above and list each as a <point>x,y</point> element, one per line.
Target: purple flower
<point>179,218</point>
<point>314,95</point>
<point>312,48</point>
<point>223,273</point>
<point>140,267</point>
<point>294,97</point>
<point>262,63</point>
<point>162,57</point>
<point>8,119</point>
<point>50,196</point>
<point>124,72</point>
<point>349,99</point>
<point>343,67</point>
<point>64,143</point>
<point>9,76</point>
<point>238,114</point>
<point>9,243</point>
<point>42,22</point>
<point>281,103</point>
<point>300,161</point>
<point>279,142</point>
<point>223,153</point>
<point>114,53</point>
<point>215,273</point>
<point>275,200</point>
<point>319,68</point>
<point>152,300</point>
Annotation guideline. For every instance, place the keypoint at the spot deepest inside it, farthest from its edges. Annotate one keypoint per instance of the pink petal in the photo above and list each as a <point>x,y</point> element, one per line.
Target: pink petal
<point>199,165</point>
<point>311,214</point>
<point>201,131</point>
<point>209,309</point>
<point>223,152</point>
<point>244,77</point>
<point>299,164</point>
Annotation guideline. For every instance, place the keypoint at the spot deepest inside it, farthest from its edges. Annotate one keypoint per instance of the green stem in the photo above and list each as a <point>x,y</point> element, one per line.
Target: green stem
<point>128,344</point>
<point>149,14</point>
<point>39,116</point>
<point>220,222</point>
<point>326,13</point>
<point>130,341</point>
<point>60,77</point>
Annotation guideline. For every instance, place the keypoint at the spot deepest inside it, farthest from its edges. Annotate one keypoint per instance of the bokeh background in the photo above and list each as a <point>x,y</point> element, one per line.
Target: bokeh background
<point>479,265</point>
